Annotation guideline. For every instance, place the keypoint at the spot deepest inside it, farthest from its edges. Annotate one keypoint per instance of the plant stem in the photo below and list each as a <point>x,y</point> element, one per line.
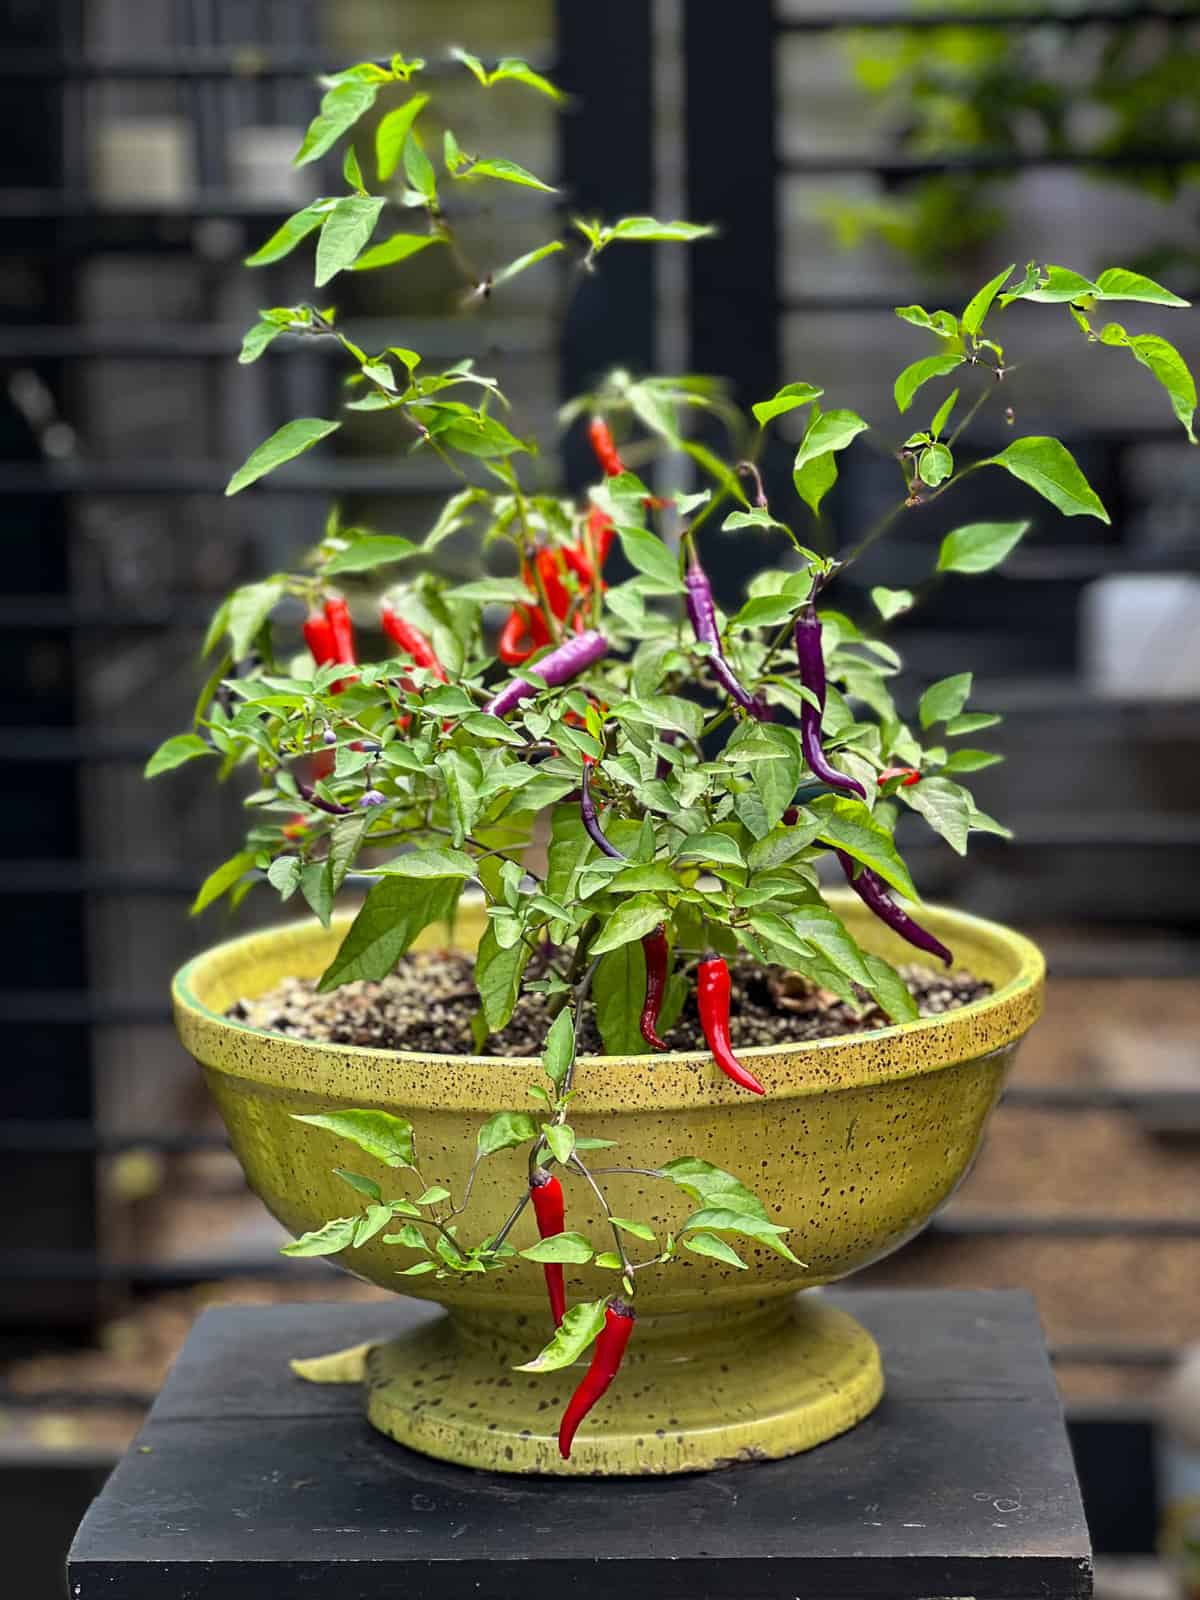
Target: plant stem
<point>626,1265</point>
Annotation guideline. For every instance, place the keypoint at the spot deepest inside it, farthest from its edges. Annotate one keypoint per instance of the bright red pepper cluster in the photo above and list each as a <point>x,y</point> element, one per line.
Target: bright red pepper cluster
<point>527,629</point>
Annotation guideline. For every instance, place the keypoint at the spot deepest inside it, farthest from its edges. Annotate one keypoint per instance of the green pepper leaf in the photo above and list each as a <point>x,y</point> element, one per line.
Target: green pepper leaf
<point>505,1131</point>
<point>381,1134</point>
<point>579,1328</point>
<point>570,1248</point>
<point>326,1240</point>
<point>1049,467</point>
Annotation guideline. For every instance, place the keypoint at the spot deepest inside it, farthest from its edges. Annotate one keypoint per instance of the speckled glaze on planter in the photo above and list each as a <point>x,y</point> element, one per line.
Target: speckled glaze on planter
<point>856,1144</point>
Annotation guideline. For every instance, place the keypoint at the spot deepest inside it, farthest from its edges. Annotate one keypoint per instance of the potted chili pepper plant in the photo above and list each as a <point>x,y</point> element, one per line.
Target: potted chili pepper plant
<point>576,834</point>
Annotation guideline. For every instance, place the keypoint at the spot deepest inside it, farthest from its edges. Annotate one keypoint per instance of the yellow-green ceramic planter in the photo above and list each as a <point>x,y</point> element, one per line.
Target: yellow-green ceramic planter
<point>856,1144</point>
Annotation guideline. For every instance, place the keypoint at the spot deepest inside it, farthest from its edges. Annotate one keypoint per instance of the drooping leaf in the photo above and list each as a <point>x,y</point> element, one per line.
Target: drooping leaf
<point>393,914</point>
<point>174,752</point>
<point>285,444</point>
<point>326,1240</point>
<point>946,808</point>
<point>398,248</point>
<point>832,430</point>
<point>344,233</point>
<point>922,372</point>
<point>579,1328</point>
<point>381,1134</point>
<point>1047,465</point>
<point>980,546</point>
<point>285,238</point>
<point>498,977</point>
<point>222,879</point>
<point>341,107</point>
<point>570,1248</point>
<point>1118,283</point>
<point>848,825</point>
<point>1161,358</point>
<point>708,1244</point>
<point>505,1131</point>
<point>618,988</point>
<point>392,131</point>
<point>507,172</point>
<point>633,919</point>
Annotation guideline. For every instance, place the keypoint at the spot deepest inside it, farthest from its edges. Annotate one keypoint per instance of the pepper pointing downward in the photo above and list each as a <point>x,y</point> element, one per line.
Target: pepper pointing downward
<point>712,996</point>
<point>811,658</point>
<point>702,614</point>
<point>606,1359</point>
<point>654,948</point>
<point>546,1193</point>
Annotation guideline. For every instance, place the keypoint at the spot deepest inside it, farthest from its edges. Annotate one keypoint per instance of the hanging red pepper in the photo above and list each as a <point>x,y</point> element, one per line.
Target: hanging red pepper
<point>607,454</point>
<point>654,948</point>
<point>337,614</point>
<point>318,636</point>
<point>546,1193</point>
<point>606,1359</point>
<point>712,995</point>
<point>412,641</point>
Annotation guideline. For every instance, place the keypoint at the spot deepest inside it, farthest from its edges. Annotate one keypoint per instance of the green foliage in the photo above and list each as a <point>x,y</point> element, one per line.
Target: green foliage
<point>404,773</point>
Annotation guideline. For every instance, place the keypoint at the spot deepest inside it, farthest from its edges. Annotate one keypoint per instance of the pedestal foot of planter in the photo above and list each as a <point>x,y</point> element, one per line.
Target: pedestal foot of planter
<point>696,1392</point>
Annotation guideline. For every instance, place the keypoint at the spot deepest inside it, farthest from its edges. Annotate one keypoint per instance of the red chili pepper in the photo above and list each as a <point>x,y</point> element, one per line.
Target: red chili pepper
<point>337,614</point>
<point>712,994</point>
<point>907,775</point>
<point>318,636</point>
<point>606,451</point>
<point>523,633</point>
<point>549,570</point>
<point>606,1359</point>
<point>546,1193</point>
<point>412,641</point>
<point>654,948</point>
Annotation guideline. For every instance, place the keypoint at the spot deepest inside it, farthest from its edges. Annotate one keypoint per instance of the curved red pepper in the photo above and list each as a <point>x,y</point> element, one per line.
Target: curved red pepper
<point>412,641</point>
<point>606,1359</point>
<point>654,948</point>
<point>607,454</point>
<point>712,995</point>
<point>546,1193</point>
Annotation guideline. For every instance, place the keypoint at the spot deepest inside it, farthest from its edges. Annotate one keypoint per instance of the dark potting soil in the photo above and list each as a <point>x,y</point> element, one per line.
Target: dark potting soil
<point>427,1004</point>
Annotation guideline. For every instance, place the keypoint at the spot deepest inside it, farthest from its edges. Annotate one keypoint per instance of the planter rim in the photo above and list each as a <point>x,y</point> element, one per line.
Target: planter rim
<point>679,1078</point>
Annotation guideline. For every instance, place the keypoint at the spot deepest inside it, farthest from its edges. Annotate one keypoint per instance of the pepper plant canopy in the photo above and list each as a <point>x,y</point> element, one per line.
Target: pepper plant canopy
<point>721,769</point>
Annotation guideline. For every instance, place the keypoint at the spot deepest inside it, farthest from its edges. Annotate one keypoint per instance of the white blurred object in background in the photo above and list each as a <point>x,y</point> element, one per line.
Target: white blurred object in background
<point>143,161</point>
<point>260,165</point>
<point>1140,636</point>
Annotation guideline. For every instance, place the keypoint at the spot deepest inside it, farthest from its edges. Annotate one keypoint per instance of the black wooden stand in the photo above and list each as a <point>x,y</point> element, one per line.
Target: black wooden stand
<point>248,1484</point>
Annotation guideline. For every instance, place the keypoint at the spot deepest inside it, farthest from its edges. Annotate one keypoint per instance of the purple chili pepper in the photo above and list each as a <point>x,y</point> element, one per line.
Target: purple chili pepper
<point>872,891</point>
<point>307,792</point>
<point>568,661</point>
<point>812,675</point>
<point>591,824</point>
<point>702,615</point>
<point>662,766</point>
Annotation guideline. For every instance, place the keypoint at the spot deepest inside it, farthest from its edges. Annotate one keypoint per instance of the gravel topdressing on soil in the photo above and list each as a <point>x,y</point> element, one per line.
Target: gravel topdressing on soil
<point>427,1004</point>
